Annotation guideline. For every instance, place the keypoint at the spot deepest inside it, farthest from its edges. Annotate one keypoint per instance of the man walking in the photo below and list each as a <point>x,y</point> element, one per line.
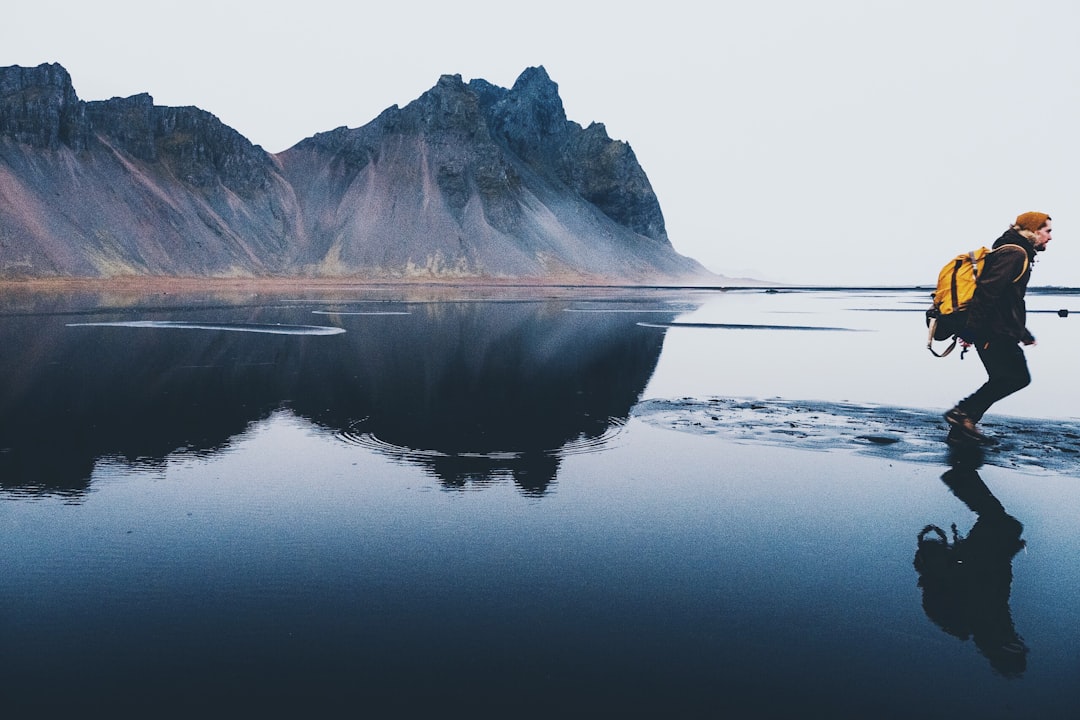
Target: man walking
<point>997,322</point>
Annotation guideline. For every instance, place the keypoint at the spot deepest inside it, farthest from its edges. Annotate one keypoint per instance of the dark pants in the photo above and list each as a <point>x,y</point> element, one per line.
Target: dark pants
<point>1007,371</point>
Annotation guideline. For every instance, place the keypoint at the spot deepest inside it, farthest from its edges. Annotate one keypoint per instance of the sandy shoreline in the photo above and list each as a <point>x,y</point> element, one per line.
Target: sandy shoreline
<point>158,283</point>
<point>130,289</point>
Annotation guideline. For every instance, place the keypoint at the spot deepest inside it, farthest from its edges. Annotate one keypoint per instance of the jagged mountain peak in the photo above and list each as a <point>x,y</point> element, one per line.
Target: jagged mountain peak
<point>535,86</point>
<point>449,105</point>
<point>531,110</point>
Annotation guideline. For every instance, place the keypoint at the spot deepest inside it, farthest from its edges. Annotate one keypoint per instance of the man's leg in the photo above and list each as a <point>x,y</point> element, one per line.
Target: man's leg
<point>1007,372</point>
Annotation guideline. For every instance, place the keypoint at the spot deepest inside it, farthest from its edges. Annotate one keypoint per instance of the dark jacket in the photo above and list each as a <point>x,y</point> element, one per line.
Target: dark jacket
<point>997,311</point>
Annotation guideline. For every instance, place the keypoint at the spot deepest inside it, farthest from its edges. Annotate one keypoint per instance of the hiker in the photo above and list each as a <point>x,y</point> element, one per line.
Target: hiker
<point>996,322</point>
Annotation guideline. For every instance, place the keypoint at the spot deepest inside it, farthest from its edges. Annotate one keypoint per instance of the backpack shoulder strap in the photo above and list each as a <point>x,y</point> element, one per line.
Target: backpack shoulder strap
<point>1027,261</point>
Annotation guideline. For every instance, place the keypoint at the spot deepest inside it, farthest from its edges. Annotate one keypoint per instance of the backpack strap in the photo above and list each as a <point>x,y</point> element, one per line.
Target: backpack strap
<point>954,286</point>
<point>930,341</point>
<point>1027,260</point>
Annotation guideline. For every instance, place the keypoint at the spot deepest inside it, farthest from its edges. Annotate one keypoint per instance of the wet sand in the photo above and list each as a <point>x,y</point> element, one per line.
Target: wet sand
<point>895,433</point>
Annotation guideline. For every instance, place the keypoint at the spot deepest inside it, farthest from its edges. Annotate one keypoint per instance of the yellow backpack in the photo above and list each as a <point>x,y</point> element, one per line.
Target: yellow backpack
<point>955,288</point>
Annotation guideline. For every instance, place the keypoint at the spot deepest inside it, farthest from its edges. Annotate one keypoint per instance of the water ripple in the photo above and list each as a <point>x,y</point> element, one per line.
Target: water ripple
<point>581,445</point>
<point>359,312</point>
<point>267,328</point>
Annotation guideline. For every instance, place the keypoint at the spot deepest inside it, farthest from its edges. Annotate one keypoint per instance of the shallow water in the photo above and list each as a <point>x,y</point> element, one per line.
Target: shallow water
<point>511,504</point>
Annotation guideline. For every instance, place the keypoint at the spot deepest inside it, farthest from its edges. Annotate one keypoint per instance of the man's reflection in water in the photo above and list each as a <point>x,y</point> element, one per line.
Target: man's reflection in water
<point>966,582</point>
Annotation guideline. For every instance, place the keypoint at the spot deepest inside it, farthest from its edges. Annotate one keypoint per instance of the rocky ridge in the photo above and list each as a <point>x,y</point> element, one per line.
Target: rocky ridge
<point>469,181</point>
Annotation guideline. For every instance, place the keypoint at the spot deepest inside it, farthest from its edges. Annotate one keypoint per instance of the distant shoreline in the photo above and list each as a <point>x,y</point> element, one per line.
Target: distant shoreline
<point>172,284</point>
<point>292,284</point>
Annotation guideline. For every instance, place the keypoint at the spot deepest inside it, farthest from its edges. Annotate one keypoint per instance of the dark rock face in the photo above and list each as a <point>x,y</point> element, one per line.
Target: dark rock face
<point>122,187</point>
<point>191,143</point>
<point>603,171</point>
<point>468,181</point>
<point>38,107</point>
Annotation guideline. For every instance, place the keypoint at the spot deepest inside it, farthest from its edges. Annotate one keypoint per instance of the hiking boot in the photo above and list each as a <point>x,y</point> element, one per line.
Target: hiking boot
<point>963,424</point>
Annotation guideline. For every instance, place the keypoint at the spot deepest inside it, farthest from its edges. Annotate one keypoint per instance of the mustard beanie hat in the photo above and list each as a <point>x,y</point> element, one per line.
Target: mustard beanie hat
<point>1031,221</point>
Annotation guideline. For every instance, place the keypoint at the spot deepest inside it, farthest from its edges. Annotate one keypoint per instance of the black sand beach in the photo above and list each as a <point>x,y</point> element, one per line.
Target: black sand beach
<point>894,433</point>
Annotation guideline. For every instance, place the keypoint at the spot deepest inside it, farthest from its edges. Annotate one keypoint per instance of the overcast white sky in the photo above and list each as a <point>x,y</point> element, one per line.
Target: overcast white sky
<point>833,141</point>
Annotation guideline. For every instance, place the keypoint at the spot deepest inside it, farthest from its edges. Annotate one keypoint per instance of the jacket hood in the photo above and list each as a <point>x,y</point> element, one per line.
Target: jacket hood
<point>1012,236</point>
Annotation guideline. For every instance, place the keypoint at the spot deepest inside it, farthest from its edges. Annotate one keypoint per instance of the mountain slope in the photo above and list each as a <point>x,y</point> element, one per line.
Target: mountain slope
<point>469,181</point>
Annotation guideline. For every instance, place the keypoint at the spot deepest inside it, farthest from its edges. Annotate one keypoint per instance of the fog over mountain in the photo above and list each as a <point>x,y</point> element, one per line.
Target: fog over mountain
<point>468,182</point>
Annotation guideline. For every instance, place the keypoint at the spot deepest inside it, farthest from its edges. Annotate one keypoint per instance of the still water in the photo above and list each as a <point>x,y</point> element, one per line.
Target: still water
<point>406,501</point>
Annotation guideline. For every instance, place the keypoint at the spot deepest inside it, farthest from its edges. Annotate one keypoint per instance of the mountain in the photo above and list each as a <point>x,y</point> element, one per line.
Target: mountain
<point>468,182</point>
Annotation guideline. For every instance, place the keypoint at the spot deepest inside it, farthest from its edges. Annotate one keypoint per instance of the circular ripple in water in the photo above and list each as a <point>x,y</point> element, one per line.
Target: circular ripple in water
<point>581,445</point>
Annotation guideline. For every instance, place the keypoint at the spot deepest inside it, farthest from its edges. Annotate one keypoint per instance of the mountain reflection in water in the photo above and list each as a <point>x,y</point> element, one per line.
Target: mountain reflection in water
<point>472,391</point>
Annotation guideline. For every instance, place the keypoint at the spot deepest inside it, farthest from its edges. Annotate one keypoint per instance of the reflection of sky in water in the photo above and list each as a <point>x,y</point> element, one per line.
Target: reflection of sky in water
<point>350,571</point>
<point>887,363</point>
